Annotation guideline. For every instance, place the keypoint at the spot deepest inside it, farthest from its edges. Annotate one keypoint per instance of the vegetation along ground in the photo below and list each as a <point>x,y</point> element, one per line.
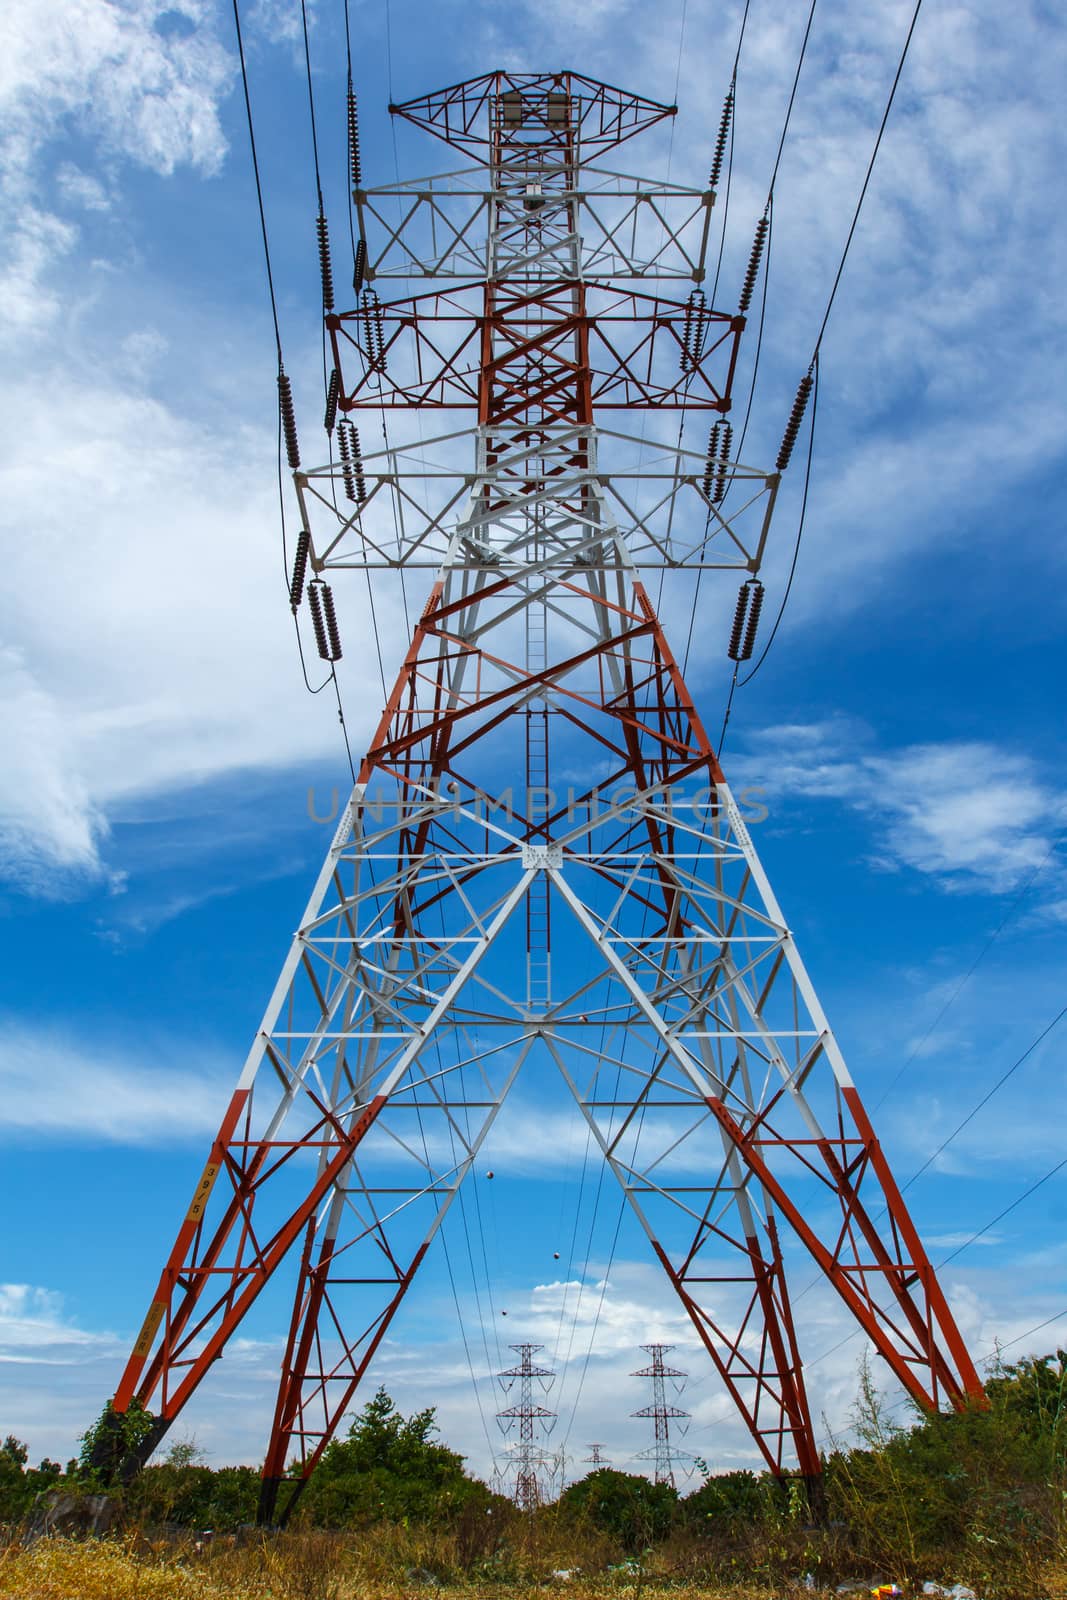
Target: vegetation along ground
<point>978,1500</point>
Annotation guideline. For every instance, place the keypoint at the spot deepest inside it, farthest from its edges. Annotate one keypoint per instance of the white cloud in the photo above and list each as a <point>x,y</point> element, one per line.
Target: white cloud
<point>153,647</point>
<point>143,77</point>
<point>48,823</point>
<point>53,1083</point>
<point>140,80</point>
<point>969,814</point>
<point>81,188</point>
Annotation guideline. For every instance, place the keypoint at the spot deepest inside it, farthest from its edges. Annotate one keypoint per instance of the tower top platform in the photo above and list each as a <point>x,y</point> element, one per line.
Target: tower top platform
<point>537,106</point>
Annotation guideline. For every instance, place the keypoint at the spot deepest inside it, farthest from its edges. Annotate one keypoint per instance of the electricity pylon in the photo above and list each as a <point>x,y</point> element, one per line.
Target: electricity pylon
<point>421,981</point>
<point>662,1413</point>
<point>532,1467</point>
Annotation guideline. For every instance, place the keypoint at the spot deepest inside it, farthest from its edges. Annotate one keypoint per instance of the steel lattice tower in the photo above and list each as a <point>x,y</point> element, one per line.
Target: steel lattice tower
<point>528,1460</point>
<point>420,982</point>
<point>662,1413</point>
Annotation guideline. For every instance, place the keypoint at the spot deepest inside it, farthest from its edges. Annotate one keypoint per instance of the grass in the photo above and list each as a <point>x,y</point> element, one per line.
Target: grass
<point>324,1566</point>
<point>309,1566</point>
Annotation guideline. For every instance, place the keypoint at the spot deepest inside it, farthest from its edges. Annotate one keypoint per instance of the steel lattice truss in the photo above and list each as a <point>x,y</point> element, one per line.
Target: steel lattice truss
<point>420,983</point>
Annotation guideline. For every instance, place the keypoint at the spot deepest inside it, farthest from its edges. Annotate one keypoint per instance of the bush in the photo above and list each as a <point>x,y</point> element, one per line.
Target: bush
<point>627,1507</point>
<point>390,1468</point>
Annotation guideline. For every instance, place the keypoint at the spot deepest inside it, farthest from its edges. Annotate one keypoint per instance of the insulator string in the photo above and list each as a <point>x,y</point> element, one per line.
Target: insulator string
<point>325,267</point>
<point>800,529</point>
<point>355,161</point>
<point>796,417</point>
<point>720,142</point>
<point>288,412</point>
<point>344,450</point>
<point>755,257</point>
<point>330,617</point>
<point>734,646</point>
<point>752,624</point>
<point>359,266</point>
<point>726,439</point>
<point>333,390</point>
<point>300,562</point>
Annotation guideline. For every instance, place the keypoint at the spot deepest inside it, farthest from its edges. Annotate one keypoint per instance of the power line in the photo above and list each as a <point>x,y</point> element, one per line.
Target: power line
<point>259,186</point>
<point>800,533</point>
<point>813,368</point>
<point>975,964</point>
<point>867,178</point>
<point>1001,1081</point>
<point>792,96</point>
<point>1051,1173</point>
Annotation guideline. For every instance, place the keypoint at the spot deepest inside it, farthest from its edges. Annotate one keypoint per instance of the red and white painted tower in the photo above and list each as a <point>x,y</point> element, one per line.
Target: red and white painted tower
<point>560,295</point>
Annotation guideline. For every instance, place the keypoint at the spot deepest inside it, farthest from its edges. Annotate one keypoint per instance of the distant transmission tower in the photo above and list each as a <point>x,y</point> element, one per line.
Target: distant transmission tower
<point>596,1459</point>
<point>470,923</point>
<point>663,1413</point>
<point>533,1468</point>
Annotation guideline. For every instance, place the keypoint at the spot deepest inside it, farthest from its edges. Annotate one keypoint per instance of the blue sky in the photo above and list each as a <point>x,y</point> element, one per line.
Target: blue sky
<point>155,842</point>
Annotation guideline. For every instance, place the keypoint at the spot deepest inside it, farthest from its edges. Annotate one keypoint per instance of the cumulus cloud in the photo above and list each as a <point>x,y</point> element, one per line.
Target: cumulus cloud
<point>144,77</point>
<point>140,81</point>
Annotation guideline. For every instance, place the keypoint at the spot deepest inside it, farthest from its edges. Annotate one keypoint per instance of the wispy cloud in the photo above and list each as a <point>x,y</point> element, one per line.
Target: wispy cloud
<point>969,814</point>
<point>53,1083</point>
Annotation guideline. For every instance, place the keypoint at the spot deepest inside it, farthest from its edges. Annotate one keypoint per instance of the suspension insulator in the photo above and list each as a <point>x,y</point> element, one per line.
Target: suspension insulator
<point>754,609</point>
<point>333,390</point>
<point>318,625</point>
<point>288,411</point>
<point>357,466</point>
<point>711,462</point>
<point>726,439</point>
<point>753,264</point>
<point>796,417</point>
<point>352,462</point>
<point>300,566</point>
<point>324,261</point>
<point>696,315</point>
<point>354,163</point>
<point>740,611</point>
<point>344,450</point>
<point>359,266</point>
<point>720,143</point>
<point>333,638</point>
<point>372,322</point>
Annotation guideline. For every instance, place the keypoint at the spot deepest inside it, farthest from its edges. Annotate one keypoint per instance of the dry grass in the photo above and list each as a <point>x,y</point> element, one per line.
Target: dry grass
<point>322,1566</point>
<point>296,1567</point>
